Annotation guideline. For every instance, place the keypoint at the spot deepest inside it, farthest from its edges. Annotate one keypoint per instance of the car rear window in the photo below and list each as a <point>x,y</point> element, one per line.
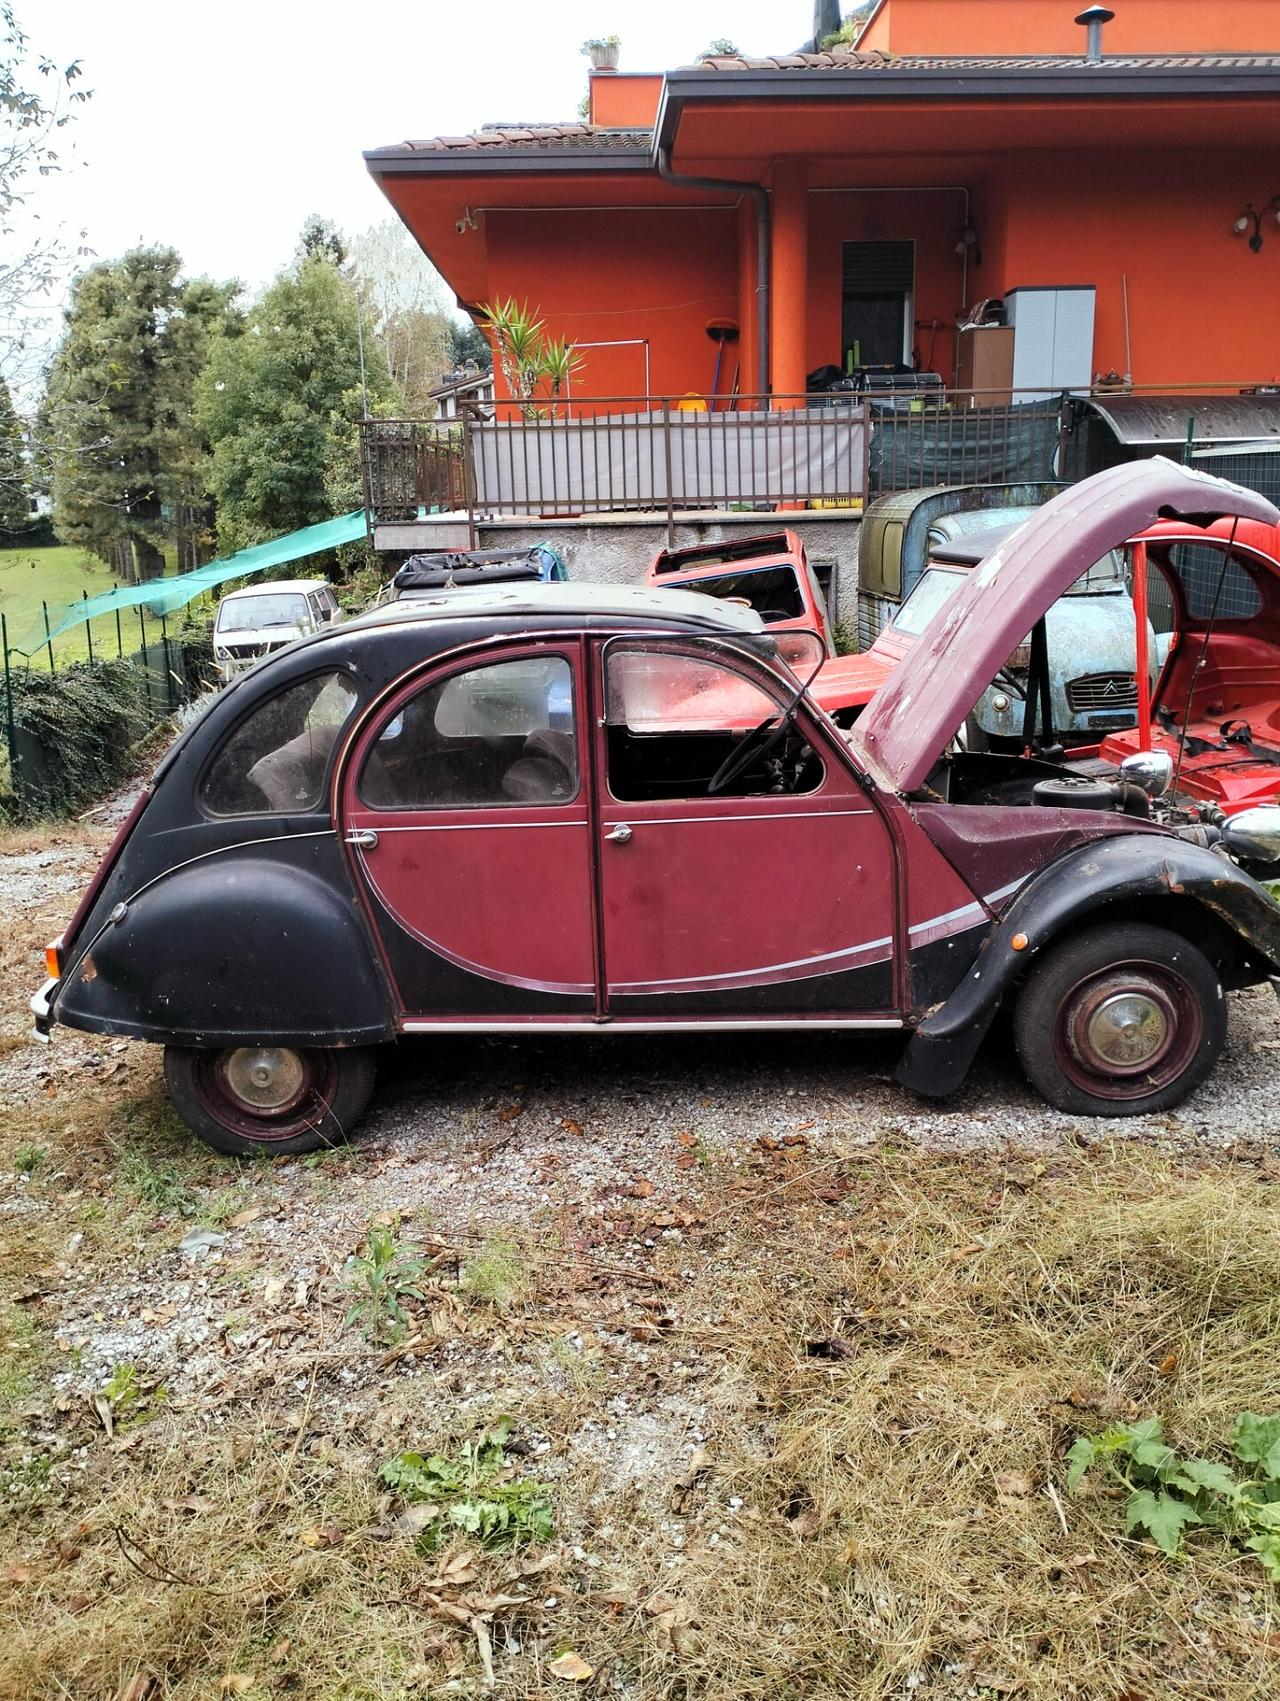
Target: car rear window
<point>275,760</point>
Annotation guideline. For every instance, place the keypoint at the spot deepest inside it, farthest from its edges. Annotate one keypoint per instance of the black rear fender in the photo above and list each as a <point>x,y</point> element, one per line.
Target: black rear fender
<point>256,943</point>
<point>1184,887</point>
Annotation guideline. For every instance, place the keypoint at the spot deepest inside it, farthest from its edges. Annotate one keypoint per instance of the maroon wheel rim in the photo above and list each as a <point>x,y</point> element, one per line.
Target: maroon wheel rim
<point>1128,1031</point>
<point>288,1094</point>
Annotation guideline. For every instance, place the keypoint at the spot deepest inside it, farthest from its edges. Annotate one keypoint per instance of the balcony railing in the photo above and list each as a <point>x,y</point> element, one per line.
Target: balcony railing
<point>638,455</point>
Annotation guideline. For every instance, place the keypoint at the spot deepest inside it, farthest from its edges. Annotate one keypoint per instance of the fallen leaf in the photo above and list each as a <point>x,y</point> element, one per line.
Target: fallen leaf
<point>329,1536</point>
<point>242,1219</point>
<point>571,1667</point>
<point>190,1503</point>
<point>532,1567</point>
<point>1014,1485</point>
<point>136,1688</point>
<point>484,1647</point>
<point>236,1683</point>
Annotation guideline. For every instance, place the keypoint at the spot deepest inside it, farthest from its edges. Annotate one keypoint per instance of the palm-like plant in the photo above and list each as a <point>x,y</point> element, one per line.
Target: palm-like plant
<point>529,359</point>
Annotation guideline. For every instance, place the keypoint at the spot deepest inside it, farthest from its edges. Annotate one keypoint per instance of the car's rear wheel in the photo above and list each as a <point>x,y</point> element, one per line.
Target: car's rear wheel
<point>251,1099</point>
<point>1120,1021</point>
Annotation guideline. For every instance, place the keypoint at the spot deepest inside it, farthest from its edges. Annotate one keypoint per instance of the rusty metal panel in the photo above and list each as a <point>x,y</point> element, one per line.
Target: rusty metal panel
<point>1167,419</point>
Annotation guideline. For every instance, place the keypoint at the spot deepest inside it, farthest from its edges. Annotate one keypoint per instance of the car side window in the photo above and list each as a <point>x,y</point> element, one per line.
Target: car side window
<point>672,720</point>
<point>1214,582</point>
<point>495,735</point>
<point>275,760</point>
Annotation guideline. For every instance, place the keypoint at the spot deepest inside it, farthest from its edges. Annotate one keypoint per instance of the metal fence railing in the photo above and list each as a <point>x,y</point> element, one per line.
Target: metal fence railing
<point>68,721</point>
<point>667,455</point>
<point>670,455</point>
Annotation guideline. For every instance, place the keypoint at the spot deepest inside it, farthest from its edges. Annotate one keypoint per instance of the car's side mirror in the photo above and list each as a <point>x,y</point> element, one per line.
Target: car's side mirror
<point>1150,770</point>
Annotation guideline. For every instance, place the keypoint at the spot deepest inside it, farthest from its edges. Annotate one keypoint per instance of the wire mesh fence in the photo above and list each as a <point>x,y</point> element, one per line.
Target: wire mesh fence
<point>72,714</point>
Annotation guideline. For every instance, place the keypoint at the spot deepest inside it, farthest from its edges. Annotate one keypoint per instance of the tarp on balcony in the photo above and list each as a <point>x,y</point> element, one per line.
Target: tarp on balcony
<point>165,596</point>
<point>697,460</point>
<point>1016,443</point>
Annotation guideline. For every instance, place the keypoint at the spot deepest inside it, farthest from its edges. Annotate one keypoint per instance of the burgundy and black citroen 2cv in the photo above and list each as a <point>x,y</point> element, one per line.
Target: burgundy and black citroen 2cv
<point>555,807</point>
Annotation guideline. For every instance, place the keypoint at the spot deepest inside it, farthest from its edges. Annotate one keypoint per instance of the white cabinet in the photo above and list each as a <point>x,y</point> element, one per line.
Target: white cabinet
<point>1052,338</point>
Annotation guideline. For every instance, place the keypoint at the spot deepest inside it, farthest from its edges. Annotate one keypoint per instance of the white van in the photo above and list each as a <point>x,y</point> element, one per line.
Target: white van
<point>254,622</point>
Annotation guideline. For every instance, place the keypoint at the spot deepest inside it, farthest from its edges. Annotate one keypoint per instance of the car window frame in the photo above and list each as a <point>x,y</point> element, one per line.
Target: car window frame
<point>756,672</point>
<point>247,713</point>
<point>362,746</point>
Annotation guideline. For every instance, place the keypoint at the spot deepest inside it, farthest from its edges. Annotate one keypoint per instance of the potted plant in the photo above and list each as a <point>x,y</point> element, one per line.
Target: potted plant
<point>602,51</point>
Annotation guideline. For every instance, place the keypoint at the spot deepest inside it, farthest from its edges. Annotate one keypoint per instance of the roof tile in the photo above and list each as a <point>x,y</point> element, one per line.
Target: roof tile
<point>852,61</point>
<point>530,138</point>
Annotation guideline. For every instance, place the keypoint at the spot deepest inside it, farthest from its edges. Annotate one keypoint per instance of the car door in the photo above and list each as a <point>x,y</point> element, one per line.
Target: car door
<point>465,805</point>
<point>772,898</point>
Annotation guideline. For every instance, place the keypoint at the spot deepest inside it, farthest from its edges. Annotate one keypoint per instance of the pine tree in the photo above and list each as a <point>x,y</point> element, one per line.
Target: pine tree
<point>280,404</point>
<point>15,479</point>
<point>129,465</point>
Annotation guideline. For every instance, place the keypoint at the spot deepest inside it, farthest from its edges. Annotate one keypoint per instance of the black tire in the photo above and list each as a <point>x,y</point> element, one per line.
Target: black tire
<point>1089,1053</point>
<point>320,1095</point>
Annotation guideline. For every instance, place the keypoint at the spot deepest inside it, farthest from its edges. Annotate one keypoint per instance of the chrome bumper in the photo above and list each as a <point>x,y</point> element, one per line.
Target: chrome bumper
<point>42,1009</point>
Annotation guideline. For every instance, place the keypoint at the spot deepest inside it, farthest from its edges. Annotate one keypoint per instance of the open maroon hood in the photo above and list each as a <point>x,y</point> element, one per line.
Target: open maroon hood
<point>911,719</point>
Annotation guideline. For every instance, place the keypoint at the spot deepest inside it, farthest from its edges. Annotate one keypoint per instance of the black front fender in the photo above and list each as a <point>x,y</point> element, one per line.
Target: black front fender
<point>250,945</point>
<point>1106,874</point>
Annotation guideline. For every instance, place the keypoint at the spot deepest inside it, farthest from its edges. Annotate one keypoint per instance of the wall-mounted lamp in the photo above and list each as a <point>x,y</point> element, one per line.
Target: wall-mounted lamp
<point>970,244</point>
<point>1250,221</point>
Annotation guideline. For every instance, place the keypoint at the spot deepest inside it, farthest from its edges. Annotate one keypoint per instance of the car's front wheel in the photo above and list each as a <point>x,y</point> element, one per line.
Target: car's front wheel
<point>251,1099</point>
<point>1123,1020</point>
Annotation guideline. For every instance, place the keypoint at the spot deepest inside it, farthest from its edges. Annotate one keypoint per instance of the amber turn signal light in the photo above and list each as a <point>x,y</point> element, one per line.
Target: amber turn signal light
<point>53,959</point>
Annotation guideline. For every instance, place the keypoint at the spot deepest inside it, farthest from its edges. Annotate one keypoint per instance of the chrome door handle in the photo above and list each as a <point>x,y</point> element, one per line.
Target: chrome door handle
<point>365,839</point>
<point>620,834</point>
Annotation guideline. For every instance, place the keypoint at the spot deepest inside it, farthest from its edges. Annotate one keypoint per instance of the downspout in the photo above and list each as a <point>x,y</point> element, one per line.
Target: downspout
<point>760,196</point>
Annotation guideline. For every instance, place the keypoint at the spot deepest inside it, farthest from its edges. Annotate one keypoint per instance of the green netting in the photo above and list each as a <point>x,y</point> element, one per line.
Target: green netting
<point>163,596</point>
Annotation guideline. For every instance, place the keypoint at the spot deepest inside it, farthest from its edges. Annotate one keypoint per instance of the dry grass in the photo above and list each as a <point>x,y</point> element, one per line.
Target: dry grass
<point>896,1352</point>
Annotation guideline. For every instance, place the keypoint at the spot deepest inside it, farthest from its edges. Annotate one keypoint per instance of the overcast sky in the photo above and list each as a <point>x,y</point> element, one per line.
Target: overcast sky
<point>219,128</point>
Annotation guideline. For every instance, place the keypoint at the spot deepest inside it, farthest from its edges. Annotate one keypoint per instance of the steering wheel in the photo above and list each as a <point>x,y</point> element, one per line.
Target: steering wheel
<point>760,739</point>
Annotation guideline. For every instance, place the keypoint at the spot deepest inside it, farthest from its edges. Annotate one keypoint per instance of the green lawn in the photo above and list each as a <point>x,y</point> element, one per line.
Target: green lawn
<point>57,576</point>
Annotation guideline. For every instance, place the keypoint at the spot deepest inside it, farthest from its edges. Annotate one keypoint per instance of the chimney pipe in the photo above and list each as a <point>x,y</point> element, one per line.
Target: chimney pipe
<point>1093,19</point>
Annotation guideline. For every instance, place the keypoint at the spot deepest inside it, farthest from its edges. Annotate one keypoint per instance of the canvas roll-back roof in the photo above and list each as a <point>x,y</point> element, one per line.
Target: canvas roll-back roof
<point>912,718</point>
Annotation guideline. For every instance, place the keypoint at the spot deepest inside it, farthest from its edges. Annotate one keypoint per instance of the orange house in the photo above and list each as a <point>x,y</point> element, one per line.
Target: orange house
<point>846,209</point>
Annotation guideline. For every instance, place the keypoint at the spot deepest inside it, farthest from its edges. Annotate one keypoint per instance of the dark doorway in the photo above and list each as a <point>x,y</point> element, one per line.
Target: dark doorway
<point>876,318</point>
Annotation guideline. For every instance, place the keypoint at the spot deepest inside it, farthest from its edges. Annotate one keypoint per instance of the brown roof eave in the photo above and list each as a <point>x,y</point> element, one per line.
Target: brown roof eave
<point>500,162</point>
<point>693,84</point>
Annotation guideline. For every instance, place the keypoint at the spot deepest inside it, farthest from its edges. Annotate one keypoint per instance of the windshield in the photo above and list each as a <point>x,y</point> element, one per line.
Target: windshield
<point>1107,575</point>
<point>250,614</point>
<point>936,587</point>
<point>773,592</point>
